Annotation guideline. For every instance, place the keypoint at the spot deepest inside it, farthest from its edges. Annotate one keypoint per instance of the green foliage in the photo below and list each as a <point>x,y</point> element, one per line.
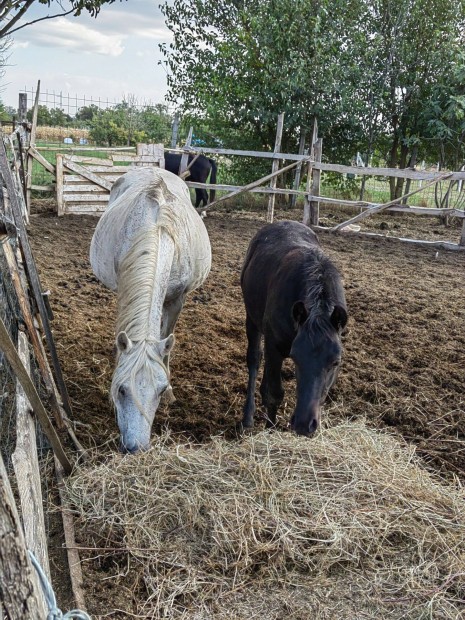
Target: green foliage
<point>369,70</point>
<point>56,117</point>
<point>126,124</point>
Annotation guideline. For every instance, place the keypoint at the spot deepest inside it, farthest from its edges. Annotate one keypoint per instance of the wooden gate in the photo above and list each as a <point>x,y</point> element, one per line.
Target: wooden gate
<point>83,183</point>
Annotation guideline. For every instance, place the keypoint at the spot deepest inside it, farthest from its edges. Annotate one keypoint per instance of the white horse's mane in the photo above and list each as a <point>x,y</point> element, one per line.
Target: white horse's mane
<point>137,281</point>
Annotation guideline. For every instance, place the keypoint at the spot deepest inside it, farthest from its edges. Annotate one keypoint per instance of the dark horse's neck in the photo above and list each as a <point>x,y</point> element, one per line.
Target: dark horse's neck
<point>323,287</point>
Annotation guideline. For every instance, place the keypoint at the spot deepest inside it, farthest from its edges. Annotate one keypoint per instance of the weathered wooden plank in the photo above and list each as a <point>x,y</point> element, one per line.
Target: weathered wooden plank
<point>23,300</point>
<point>59,184</point>
<point>105,170</point>
<point>26,466</point>
<point>404,173</point>
<point>71,179</point>
<point>89,209</point>
<point>298,171</point>
<point>420,175</point>
<point>33,278</point>
<point>19,588</point>
<point>308,184</point>
<point>75,197</point>
<point>33,152</point>
<point>359,204</point>
<point>17,366</point>
<point>383,207</point>
<point>32,140</point>
<point>250,186</point>
<point>87,174</point>
<point>43,188</point>
<point>439,245</point>
<point>185,155</point>
<point>74,561</point>
<point>275,167</point>
<point>256,190</point>
<point>81,188</point>
<point>82,159</point>
<point>315,205</point>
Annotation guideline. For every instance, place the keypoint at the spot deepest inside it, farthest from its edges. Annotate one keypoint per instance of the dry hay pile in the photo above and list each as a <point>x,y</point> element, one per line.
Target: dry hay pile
<point>345,525</point>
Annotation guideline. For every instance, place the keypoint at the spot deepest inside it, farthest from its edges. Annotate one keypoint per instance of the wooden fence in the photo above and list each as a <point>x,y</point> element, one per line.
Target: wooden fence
<point>79,193</point>
<point>33,388</point>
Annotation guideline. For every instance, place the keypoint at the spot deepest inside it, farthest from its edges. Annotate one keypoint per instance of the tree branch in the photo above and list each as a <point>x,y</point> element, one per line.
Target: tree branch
<point>41,19</point>
<point>6,29</point>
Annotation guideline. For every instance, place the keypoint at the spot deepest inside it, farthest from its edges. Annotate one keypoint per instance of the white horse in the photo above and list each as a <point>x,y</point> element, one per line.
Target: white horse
<point>152,247</point>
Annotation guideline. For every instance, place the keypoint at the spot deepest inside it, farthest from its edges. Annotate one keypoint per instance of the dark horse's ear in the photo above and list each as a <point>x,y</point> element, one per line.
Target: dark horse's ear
<point>299,313</point>
<point>339,318</point>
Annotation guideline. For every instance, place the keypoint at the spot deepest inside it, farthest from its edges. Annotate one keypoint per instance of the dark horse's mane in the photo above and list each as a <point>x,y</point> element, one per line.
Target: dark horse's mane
<point>323,291</point>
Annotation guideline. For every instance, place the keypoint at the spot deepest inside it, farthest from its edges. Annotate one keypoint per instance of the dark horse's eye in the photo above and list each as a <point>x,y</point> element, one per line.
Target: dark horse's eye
<point>122,391</point>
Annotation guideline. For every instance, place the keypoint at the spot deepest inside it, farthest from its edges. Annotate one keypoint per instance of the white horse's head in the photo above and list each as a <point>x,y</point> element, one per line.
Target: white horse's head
<point>139,381</point>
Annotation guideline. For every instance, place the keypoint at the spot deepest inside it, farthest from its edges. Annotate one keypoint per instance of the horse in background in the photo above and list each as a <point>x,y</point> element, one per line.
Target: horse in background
<point>199,171</point>
<point>152,248</point>
<point>294,297</point>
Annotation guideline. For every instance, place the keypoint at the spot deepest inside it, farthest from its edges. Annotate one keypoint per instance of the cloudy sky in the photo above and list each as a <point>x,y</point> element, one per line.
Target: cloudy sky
<point>109,57</point>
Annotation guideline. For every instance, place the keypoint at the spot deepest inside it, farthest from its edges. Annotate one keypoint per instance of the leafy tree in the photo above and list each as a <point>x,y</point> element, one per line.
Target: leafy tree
<point>87,112</point>
<point>367,69</point>
<point>11,12</point>
<point>156,122</point>
<point>107,129</point>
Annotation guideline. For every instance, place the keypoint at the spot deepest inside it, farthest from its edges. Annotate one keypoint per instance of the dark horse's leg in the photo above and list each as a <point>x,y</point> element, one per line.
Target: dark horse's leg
<point>253,362</point>
<point>201,196</point>
<point>271,387</point>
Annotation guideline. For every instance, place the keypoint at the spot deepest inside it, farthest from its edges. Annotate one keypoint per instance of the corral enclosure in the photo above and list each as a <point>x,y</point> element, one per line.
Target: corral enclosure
<point>403,366</point>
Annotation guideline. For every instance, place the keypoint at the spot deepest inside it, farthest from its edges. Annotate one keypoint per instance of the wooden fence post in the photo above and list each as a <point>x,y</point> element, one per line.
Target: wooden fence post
<point>462,236</point>
<point>19,590</point>
<point>308,186</point>
<point>315,205</point>
<point>298,169</point>
<point>26,466</point>
<point>30,159</point>
<point>185,156</point>
<point>275,166</point>
<point>174,131</point>
<point>59,184</point>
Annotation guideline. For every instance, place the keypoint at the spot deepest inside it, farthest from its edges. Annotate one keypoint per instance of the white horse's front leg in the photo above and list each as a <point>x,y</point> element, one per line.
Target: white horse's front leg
<point>171,312</point>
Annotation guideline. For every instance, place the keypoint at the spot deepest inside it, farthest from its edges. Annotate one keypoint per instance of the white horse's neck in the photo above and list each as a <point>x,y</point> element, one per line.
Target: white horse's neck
<point>143,281</point>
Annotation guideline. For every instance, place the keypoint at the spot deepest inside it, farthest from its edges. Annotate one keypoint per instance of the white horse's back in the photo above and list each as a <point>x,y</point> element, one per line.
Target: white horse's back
<point>136,202</point>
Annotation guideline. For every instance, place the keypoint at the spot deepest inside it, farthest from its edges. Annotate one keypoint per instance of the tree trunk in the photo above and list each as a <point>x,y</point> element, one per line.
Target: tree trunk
<point>402,165</point>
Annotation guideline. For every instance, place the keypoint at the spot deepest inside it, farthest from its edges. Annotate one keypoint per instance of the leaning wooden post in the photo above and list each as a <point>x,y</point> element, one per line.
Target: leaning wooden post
<point>275,166</point>
<point>32,141</point>
<point>298,171</point>
<point>19,591</point>
<point>26,465</point>
<point>174,131</point>
<point>314,204</point>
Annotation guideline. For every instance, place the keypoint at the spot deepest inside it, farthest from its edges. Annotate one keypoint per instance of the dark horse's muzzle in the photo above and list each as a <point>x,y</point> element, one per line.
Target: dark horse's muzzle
<point>306,422</point>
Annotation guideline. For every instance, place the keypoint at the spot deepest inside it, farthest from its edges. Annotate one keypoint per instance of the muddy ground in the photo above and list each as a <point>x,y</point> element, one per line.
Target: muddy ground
<point>404,362</point>
<point>404,350</point>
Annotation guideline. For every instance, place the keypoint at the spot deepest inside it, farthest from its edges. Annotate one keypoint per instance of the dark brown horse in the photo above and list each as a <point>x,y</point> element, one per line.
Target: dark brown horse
<point>198,172</point>
<point>293,297</point>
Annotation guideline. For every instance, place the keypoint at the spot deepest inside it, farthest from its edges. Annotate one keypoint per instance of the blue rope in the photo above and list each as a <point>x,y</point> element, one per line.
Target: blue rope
<point>54,612</point>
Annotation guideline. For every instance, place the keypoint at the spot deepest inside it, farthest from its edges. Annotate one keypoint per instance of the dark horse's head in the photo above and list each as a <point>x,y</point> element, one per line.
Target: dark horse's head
<point>316,350</point>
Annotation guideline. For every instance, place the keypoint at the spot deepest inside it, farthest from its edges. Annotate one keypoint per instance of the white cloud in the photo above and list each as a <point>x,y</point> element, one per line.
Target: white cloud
<point>19,45</point>
<point>66,34</point>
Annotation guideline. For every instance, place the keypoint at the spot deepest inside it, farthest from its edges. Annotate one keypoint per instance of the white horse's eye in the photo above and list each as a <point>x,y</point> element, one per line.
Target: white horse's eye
<point>122,392</point>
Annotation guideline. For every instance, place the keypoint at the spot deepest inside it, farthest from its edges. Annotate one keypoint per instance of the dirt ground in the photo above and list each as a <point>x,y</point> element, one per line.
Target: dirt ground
<point>403,351</point>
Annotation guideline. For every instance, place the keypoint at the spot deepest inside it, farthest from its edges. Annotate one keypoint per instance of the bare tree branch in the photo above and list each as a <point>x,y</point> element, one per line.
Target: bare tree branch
<point>6,30</point>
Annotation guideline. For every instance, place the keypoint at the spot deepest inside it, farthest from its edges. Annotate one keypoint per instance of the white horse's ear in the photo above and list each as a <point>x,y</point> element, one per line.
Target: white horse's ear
<point>165,346</point>
<point>123,342</point>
